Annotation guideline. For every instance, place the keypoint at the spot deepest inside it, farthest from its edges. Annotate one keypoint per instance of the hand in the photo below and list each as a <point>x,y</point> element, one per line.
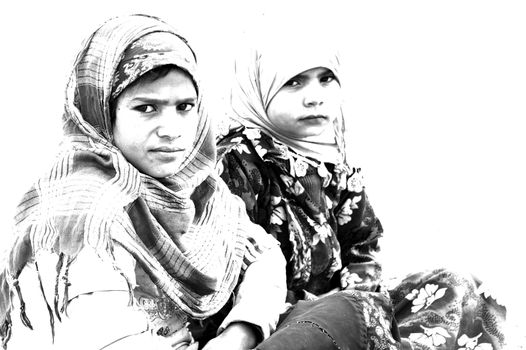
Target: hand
<point>193,346</point>
<point>237,336</point>
<point>180,340</point>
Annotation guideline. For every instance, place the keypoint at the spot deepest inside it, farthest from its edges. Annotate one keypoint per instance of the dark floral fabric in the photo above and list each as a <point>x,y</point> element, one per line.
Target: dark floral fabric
<point>319,213</point>
<point>329,236</point>
<point>442,309</point>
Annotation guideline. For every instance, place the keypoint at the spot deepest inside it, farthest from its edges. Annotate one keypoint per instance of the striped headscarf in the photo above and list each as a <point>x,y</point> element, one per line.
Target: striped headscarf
<point>187,231</point>
<point>263,69</point>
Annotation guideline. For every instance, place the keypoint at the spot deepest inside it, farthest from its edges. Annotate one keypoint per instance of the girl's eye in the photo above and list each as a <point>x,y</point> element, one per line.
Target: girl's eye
<point>145,108</point>
<point>185,107</point>
<point>328,78</point>
<point>292,83</point>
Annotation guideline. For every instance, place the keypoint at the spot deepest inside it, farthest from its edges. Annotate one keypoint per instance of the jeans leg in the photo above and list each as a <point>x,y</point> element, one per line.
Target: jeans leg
<point>332,322</point>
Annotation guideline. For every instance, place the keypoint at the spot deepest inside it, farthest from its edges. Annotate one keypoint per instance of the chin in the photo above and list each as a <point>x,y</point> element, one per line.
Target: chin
<point>314,132</point>
<point>161,173</point>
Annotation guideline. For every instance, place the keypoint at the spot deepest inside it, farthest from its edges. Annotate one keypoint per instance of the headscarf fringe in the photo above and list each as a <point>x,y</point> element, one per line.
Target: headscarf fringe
<point>60,264</point>
<point>65,278</point>
<point>50,311</point>
<point>25,320</point>
<point>5,330</point>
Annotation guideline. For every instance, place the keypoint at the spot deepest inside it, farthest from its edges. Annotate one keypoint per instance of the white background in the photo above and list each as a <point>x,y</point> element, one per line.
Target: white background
<point>436,95</point>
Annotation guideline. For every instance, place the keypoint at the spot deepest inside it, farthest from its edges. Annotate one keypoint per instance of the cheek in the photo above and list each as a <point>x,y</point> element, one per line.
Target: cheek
<point>334,96</point>
<point>191,130</point>
<point>279,109</point>
<point>122,141</point>
<point>126,136</point>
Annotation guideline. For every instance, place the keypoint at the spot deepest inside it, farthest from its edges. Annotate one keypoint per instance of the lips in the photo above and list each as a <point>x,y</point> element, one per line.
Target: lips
<point>314,117</point>
<point>166,154</point>
<point>166,149</point>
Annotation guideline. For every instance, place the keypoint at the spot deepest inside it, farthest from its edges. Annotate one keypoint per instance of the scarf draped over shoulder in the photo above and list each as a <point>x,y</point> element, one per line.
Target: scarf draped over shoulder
<point>187,231</point>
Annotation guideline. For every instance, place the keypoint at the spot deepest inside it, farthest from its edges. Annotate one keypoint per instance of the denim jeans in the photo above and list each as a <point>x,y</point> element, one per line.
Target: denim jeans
<point>333,322</point>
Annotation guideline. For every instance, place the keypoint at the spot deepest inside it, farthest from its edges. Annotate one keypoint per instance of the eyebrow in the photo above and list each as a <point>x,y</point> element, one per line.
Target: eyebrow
<point>157,101</point>
<point>324,71</point>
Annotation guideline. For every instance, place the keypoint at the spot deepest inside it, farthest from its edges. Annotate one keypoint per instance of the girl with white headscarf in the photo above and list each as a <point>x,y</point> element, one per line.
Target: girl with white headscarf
<point>286,157</point>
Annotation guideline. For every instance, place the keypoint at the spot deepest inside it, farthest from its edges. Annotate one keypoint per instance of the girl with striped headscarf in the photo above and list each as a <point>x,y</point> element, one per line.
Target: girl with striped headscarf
<point>285,156</point>
<point>130,239</point>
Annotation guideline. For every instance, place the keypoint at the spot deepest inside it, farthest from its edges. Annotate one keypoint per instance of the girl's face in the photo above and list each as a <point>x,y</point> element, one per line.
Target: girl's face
<point>307,104</point>
<point>156,122</point>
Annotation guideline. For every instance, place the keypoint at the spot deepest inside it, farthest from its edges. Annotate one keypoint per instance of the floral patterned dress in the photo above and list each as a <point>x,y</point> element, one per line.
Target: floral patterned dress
<point>329,235</point>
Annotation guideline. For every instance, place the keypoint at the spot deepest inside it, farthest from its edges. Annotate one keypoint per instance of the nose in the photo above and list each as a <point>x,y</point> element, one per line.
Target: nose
<point>313,95</point>
<point>170,126</point>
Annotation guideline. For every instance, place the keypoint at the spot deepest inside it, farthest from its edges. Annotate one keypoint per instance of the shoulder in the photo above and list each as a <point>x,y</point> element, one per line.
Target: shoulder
<point>242,164</point>
<point>236,141</point>
<point>244,146</point>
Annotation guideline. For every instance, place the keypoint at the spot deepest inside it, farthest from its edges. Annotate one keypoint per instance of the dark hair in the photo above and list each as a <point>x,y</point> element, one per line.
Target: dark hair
<point>149,76</point>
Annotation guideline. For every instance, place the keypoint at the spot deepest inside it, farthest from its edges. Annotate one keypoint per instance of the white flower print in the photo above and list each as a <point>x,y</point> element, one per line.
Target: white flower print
<point>274,200</point>
<point>355,182</point>
<point>279,149</point>
<point>431,337</point>
<point>322,232</point>
<point>252,134</point>
<point>298,167</point>
<point>282,149</point>
<point>260,150</point>
<point>473,343</point>
<point>337,261</point>
<point>411,295</point>
<point>293,187</point>
<point>278,216</point>
<point>241,147</point>
<point>345,213</point>
<point>340,182</point>
<point>426,296</point>
<point>348,280</point>
<point>328,202</point>
<point>324,174</point>
<point>236,139</point>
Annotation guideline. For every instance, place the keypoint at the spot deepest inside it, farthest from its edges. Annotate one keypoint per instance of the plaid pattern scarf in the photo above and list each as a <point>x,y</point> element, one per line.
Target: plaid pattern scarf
<point>187,231</point>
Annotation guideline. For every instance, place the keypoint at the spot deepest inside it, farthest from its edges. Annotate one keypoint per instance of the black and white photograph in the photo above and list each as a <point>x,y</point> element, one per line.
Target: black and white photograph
<point>263,175</point>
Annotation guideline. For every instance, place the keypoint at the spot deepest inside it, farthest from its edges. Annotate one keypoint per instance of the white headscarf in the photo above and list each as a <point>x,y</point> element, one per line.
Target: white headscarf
<point>261,71</point>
